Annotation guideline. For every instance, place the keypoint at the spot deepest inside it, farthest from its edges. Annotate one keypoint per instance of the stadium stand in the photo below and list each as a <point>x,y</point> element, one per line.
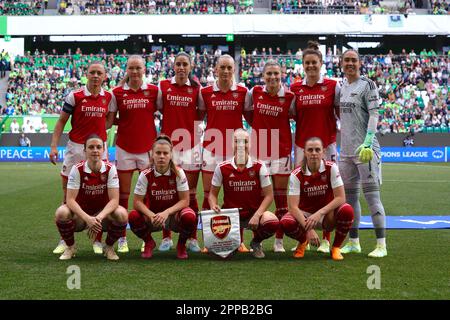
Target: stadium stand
<point>20,8</point>
<point>156,7</point>
<point>130,7</point>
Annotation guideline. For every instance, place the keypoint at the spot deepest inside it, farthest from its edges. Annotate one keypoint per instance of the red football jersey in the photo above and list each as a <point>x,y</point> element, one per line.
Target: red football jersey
<point>315,111</point>
<point>136,132</point>
<point>224,110</point>
<point>93,187</point>
<point>161,190</point>
<point>178,106</point>
<point>88,113</point>
<point>241,189</point>
<point>272,113</point>
<point>315,190</point>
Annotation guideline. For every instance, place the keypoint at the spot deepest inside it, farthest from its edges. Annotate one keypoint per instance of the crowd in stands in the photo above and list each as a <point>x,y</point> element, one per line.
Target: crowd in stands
<point>93,7</point>
<point>20,8</point>
<point>413,87</point>
<point>69,7</point>
<point>440,7</point>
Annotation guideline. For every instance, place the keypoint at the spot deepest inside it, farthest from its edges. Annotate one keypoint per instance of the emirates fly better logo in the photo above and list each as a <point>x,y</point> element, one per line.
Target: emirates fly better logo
<point>220,226</point>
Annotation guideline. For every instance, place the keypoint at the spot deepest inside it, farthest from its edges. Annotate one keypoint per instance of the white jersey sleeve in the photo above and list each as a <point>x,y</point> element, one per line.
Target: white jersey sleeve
<point>337,94</point>
<point>141,185</point>
<point>249,101</point>
<point>73,181</point>
<point>182,184</point>
<point>336,179</point>
<point>264,176</point>
<point>69,103</point>
<point>217,178</point>
<point>113,104</point>
<point>294,186</point>
<point>113,178</point>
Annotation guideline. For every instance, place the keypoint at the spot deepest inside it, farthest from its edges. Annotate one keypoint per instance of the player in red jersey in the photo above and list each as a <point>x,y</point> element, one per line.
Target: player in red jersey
<point>92,201</point>
<point>178,103</point>
<point>161,199</point>
<point>270,110</point>
<point>316,200</point>
<point>316,110</point>
<point>224,103</point>
<point>135,102</point>
<point>88,109</point>
<point>246,185</point>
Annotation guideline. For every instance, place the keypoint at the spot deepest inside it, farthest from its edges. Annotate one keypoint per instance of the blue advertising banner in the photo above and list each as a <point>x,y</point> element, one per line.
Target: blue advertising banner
<point>413,154</point>
<point>37,154</point>
<point>388,154</point>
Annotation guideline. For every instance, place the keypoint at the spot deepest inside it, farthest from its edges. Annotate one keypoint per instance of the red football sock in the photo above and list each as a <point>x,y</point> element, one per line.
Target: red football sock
<point>292,228</point>
<point>166,233</point>
<point>326,235</point>
<point>266,230</point>
<point>123,199</point>
<point>344,221</point>
<point>187,223</point>
<point>280,197</point>
<point>193,204</point>
<point>67,230</point>
<point>139,226</point>
<point>115,231</point>
<point>205,205</point>
<point>241,231</point>
<point>98,237</point>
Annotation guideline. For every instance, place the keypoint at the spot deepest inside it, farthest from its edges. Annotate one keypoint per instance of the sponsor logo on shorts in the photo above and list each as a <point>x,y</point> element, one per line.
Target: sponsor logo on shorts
<point>220,226</point>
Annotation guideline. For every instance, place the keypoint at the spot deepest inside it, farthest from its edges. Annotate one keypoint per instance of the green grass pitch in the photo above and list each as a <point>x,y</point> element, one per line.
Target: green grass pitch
<point>417,266</point>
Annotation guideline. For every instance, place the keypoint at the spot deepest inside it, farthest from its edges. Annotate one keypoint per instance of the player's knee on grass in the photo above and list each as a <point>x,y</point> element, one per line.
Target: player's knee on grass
<point>63,213</point>
<point>288,224</point>
<point>188,220</point>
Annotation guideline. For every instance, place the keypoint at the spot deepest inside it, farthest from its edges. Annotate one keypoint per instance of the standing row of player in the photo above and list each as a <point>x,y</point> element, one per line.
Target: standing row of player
<point>313,104</point>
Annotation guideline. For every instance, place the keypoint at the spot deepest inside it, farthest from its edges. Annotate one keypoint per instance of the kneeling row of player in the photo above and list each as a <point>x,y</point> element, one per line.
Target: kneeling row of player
<point>316,199</point>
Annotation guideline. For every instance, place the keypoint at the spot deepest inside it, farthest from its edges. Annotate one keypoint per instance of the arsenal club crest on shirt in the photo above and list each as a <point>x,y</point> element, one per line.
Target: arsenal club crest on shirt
<point>323,88</point>
<point>220,226</point>
<point>323,177</point>
<point>104,101</point>
<point>103,177</point>
<point>282,100</point>
<point>251,173</point>
<point>146,93</point>
<point>171,182</point>
<point>235,95</point>
<point>189,90</point>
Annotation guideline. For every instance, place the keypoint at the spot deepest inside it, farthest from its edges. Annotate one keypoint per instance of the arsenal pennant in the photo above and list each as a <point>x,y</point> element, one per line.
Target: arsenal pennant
<point>221,231</point>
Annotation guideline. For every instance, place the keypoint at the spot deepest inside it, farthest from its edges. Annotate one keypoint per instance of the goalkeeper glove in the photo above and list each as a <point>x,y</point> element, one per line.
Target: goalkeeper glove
<point>364,151</point>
